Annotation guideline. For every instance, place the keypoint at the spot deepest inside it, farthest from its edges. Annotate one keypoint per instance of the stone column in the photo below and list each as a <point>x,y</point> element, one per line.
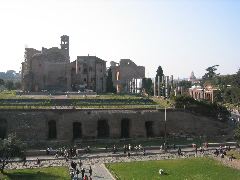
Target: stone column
<point>154,86</point>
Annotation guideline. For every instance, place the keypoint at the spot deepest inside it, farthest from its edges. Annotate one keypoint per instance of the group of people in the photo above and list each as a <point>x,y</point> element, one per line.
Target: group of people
<point>64,152</point>
<point>131,148</point>
<point>77,168</point>
<point>222,152</point>
<point>127,149</point>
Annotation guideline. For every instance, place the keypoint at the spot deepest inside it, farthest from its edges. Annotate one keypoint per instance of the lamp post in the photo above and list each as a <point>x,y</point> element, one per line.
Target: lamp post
<point>165,128</point>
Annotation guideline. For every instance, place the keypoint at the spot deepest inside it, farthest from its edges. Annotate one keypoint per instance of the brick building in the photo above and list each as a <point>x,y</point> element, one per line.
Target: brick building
<point>51,69</point>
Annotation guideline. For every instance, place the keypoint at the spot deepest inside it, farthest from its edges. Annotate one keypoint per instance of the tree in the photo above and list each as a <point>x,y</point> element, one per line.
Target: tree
<point>2,82</point>
<point>147,85</point>
<point>237,77</point>
<point>9,85</point>
<point>210,74</point>
<point>10,148</point>
<point>185,84</point>
<point>17,85</point>
<point>159,73</point>
<point>109,83</point>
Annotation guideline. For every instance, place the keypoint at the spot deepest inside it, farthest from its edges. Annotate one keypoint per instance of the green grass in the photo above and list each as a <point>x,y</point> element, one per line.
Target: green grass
<point>7,94</point>
<point>51,173</point>
<point>182,169</point>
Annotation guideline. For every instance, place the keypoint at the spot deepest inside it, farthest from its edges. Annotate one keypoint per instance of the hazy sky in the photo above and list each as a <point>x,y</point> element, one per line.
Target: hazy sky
<point>180,35</point>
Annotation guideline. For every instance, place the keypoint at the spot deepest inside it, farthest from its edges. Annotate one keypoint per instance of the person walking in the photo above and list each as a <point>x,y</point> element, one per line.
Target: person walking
<point>82,171</point>
<point>90,171</point>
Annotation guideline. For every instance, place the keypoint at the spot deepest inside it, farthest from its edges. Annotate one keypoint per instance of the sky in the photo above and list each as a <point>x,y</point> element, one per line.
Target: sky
<point>180,35</point>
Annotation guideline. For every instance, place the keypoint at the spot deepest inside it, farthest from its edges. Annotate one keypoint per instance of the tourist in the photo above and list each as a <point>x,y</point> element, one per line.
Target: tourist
<point>144,152</point>
<point>231,157</point>
<point>72,174</point>
<point>82,171</point>
<point>161,147</point>
<point>216,152</point>
<point>125,149</point>
<point>128,154</point>
<point>85,177</point>
<point>206,144</point>
<point>24,160</point>
<point>80,163</point>
<point>114,149</point>
<point>136,150</point>
<point>38,162</point>
<point>90,171</point>
<point>48,151</point>
<point>77,172</point>
<point>129,147</point>
<point>73,165</point>
<point>179,151</point>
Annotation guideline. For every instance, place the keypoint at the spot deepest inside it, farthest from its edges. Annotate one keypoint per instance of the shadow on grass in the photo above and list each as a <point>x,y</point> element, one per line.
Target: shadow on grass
<point>30,176</point>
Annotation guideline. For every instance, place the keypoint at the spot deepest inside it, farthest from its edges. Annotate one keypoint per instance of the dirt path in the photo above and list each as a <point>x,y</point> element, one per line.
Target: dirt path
<point>235,163</point>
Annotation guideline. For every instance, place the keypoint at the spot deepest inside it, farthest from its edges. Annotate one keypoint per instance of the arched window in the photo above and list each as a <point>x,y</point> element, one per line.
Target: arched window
<point>52,130</point>
<point>77,130</point>
<point>103,129</point>
<point>3,128</point>
<point>125,128</point>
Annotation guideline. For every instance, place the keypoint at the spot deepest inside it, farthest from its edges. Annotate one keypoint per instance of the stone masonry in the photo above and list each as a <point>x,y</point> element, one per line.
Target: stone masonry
<point>68,125</point>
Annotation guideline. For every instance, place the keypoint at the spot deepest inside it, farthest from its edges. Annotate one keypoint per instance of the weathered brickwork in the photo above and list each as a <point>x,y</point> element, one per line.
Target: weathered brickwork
<point>38,125</point>
<point>51,69</point>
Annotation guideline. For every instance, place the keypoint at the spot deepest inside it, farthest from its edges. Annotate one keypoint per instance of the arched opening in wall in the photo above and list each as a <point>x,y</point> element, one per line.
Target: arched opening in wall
<point>52,129</point>
<point>103,129</point>
<point>125,128</point>
<point>77,130</point>
<point>3,128</point>
<point>149,128</point>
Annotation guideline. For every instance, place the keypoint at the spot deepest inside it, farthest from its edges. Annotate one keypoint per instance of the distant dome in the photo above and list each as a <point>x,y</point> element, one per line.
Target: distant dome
<point>192,76</point>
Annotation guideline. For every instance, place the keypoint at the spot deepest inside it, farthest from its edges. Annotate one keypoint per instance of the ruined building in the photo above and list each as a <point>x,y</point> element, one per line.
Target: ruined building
<point>88,72</point>
<point>51,69</point>
<point>124,72</point>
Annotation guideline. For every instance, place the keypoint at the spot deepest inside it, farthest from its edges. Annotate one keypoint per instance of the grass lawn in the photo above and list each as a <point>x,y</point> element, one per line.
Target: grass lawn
<point>51,173</point>
<point>182,169</point>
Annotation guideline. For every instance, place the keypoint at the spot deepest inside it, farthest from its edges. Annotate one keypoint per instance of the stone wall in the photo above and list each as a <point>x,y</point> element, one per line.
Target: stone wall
<point>33,125</point>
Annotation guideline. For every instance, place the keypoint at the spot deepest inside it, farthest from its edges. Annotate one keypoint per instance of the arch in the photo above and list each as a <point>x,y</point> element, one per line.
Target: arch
<point>77,130</point>
<point>103,128</point>
<point>52,129</point>
<point>3,128</point>
<point>149,128</point>
<point>125,128</point>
